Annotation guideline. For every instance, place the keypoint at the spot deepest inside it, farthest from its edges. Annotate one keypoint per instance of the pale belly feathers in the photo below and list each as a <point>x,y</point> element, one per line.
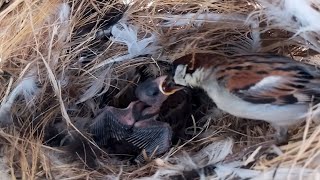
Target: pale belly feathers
<point>275,114</point>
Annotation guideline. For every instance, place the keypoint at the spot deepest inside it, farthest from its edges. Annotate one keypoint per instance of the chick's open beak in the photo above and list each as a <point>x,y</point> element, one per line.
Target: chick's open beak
<point>137,105</point>
<point>167,86</point>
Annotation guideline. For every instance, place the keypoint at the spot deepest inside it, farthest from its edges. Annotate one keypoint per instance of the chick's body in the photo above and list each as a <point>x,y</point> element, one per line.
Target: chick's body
<point>176,111</point>
<point>136,126</point>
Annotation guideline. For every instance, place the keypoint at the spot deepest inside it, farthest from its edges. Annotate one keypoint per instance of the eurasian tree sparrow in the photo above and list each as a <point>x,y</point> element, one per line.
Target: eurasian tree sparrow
<point>272,88</point>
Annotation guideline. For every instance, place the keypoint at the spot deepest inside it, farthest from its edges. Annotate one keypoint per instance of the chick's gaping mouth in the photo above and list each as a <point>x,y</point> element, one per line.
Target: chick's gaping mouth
<point>168,86</point>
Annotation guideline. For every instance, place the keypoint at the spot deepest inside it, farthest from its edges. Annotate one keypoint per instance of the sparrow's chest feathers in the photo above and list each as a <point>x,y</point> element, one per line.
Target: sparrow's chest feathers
<point>195,79</point>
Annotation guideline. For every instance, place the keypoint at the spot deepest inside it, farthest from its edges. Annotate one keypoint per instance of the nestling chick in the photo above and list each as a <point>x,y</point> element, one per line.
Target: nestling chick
<point>176,110</point>
<point>154,92</point>
<point>271,88</point>
<point>169,103</point>
<point>125,125</point>
<point>137,123</point>
<point>115,123</point>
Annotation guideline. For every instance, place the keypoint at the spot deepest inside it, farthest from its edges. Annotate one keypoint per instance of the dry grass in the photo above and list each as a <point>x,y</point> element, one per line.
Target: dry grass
<point>35,41</point>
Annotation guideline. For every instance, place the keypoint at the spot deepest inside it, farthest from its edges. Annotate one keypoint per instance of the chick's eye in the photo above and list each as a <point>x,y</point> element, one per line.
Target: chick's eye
<point>152,91</point>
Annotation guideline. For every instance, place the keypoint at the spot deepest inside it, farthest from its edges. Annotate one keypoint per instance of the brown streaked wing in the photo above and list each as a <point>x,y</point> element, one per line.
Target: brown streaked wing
<point>268,80</point>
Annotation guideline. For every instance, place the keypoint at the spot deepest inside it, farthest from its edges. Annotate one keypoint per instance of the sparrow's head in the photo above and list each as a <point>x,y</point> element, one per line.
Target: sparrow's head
<point>155,91</point>
<point>189,69</point>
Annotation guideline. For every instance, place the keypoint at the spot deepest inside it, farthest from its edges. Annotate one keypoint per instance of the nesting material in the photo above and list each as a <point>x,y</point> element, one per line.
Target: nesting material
<point>60,62</point>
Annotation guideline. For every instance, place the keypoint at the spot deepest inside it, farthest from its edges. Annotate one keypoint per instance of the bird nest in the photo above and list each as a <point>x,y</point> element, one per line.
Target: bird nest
<point>62,61</point>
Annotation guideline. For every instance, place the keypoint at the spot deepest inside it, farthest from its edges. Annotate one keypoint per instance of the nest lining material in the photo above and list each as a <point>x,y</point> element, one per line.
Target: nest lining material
<point>60,62</point>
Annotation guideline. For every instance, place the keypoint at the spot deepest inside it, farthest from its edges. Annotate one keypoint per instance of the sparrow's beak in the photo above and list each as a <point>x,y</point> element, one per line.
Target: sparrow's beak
<point>167,86</point>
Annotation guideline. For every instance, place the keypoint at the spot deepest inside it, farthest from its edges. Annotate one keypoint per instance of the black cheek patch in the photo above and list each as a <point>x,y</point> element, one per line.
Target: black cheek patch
<point>190,71</point>
<point>173,70</point>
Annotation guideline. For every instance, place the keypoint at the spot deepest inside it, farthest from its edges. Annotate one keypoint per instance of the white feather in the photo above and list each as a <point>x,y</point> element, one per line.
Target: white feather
<point>28,88</point>
<point>5,114</point>
<point>59,21</point>
<point>255,35</point>
<point>128,34</point>
<point>62,31</point>
<point>298,16</point>
<point>4,168</point>
<point>128,2</point>
<point>231,170</point>
<point>292,14</point>
<point>288,173</point>
<point>199,19</point>
<point>63,18</point>
<point>64,12</point>
<point>244,44</point>
<point>214,152</point>
<point>96,86</point>
<point>228,171</point>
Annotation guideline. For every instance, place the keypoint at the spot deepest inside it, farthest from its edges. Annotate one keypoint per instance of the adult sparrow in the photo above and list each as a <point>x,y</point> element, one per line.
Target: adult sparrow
<point>272,88</point>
